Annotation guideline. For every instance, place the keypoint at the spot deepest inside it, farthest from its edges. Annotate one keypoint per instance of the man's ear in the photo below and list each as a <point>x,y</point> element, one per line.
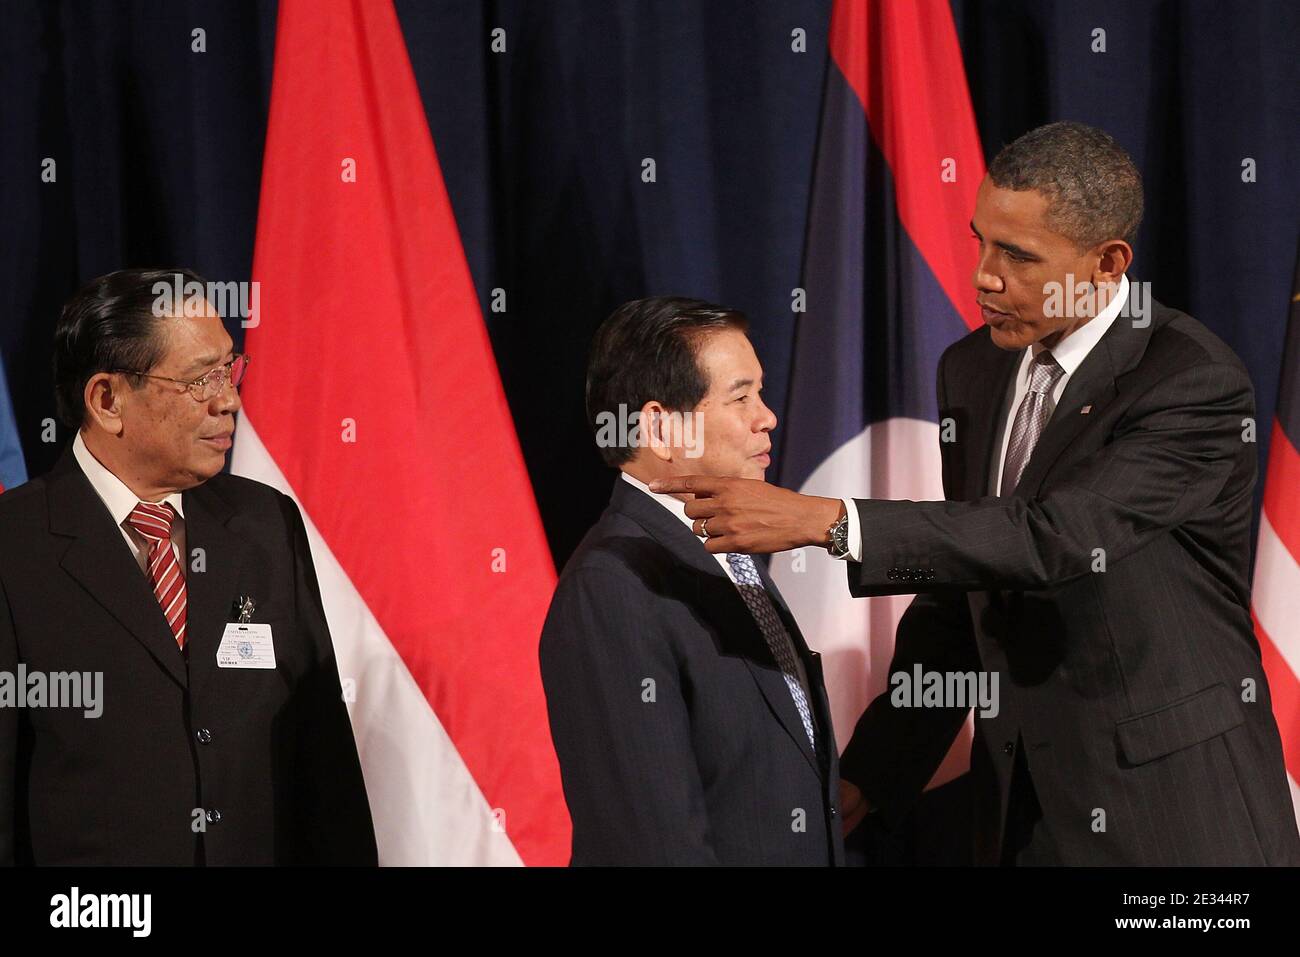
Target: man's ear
<point>1113,258</point>
<point>654,431</point>
<point>103,398</point>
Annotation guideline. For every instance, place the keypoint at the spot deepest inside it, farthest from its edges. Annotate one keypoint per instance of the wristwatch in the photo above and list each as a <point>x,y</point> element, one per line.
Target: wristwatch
<point>839,535</point>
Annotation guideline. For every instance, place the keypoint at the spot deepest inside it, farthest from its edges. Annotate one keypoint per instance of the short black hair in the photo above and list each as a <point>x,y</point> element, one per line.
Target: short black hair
<point>108,324</point>
<point>1093,188</point>
<point>646,350</point>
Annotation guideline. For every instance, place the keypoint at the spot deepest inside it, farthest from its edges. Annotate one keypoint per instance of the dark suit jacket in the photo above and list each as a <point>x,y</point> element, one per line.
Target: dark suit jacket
<point>267,755</point>
<point>717,767</point>
<point>1132,698</point>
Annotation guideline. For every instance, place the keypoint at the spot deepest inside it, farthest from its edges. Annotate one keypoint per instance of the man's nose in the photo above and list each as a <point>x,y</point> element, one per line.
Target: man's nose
<point>767,422</point>
<point>984,279</point>
<point>227,400</point>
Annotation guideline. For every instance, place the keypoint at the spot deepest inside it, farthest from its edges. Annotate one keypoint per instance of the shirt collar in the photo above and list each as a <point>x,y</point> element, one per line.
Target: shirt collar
<point>678,508</point>
<point>1070,352</point>
<point>112,491</point>
<point>674,505</point>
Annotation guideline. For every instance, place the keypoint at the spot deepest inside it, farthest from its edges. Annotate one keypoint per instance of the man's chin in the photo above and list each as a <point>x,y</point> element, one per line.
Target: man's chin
<point>1012,340</point>
<point>208,466</point>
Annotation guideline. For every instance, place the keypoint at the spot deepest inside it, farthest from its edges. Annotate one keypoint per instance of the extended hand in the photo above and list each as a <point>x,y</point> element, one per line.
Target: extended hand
<point>753,517</point>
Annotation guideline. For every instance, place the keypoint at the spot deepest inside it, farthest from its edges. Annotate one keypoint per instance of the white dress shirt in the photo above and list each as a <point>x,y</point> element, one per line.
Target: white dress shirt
<point>1069,354</point>
<point>678,508</point>
<point>120,501</point>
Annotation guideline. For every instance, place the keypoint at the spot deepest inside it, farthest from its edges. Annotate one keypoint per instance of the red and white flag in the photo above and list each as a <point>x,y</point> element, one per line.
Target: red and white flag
<point>374,400</point>
<point>1276,591</point>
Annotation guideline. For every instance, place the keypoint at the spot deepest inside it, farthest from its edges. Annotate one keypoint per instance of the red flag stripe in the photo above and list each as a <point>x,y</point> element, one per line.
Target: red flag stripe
<point>1282,490</point>
<point>1277,583</point>
<point>1284,688</point>
<point>904,62</point>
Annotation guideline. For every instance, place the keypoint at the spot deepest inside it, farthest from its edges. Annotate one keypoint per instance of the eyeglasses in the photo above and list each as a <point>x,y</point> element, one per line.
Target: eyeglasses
<point>210,384</point>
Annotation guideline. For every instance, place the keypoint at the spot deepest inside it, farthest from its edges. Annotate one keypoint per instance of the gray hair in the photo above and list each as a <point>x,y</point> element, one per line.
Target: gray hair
<point>1093,189</point>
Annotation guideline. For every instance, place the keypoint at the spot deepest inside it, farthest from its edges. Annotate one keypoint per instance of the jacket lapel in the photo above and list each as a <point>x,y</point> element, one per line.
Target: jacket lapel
<point>211,591</point>
<point>1093,386</point>
<point>102,563</point>
<point>720,604</point>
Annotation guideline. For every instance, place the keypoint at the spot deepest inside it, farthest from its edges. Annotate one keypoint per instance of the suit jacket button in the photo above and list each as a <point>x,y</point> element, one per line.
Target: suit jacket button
<point>1008,748</point>
<point>834,811</point>
<point>214,816</point>
<point>204,736</point>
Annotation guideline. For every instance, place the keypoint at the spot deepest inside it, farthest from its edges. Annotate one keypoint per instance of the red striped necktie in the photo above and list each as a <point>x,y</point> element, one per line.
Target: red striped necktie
<point>154,522</point>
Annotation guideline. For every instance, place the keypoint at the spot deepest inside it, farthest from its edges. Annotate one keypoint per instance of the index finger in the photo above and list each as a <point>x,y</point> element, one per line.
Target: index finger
<point>701,486</point>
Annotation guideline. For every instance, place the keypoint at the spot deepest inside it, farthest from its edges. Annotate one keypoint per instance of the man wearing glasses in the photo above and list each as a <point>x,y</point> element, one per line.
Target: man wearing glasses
<point>182,600</point>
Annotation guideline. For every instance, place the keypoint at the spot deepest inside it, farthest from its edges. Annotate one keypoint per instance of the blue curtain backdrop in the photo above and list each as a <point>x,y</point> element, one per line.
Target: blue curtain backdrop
<point>158,152</point>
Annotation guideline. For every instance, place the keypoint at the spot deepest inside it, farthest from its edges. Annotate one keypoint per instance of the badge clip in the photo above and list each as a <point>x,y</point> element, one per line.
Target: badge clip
<point>244,607</point>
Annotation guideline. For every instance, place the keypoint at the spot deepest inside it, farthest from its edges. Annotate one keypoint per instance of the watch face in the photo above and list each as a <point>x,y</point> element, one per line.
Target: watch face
<point>840,538</point>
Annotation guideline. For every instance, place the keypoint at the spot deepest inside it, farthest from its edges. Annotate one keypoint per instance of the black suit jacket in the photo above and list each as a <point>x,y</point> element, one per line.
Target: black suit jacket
<point>265,757</point>
<point>1111,595</point>
<point>678,739</point>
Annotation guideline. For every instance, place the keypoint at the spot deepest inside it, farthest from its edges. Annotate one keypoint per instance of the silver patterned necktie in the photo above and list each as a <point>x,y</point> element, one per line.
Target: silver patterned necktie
<point>778,639</point>
<point>1031,418</point>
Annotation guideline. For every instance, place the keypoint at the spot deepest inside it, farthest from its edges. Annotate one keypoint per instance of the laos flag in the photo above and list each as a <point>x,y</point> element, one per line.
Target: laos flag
<point>887,268</point>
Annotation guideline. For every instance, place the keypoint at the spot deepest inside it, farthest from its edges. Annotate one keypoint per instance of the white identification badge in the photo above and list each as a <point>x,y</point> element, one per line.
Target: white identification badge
<point>246,645</point>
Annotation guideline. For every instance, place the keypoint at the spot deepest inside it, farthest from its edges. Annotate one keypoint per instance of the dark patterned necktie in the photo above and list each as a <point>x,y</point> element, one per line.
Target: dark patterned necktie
<point>778,639</point>
<point>1031,418</point>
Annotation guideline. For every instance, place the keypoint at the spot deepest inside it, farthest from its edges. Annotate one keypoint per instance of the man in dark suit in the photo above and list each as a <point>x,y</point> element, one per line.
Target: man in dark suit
<point>689,716</point>
<point>1093,552</point>
<point>191,598</point>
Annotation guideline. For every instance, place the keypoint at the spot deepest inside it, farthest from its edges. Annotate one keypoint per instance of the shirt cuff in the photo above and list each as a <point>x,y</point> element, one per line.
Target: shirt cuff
<point>855,531</point>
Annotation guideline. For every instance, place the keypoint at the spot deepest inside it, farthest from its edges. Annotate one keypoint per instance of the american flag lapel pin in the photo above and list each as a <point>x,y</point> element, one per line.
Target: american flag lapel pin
<point>1085,410</point>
